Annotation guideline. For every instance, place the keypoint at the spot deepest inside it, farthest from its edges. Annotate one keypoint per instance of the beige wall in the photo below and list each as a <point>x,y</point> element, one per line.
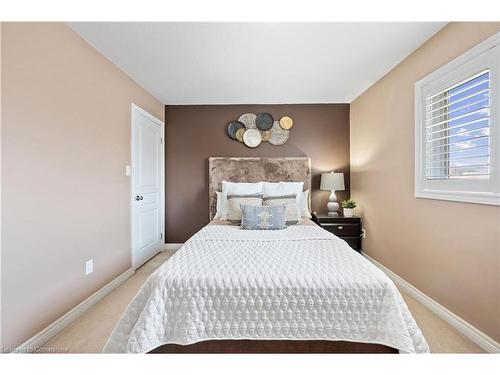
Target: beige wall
<point>65,196</point>
<point>448,250</point>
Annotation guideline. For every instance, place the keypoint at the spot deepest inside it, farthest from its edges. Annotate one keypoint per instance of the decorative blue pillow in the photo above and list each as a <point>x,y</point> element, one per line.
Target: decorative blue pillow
<point>263,218</point>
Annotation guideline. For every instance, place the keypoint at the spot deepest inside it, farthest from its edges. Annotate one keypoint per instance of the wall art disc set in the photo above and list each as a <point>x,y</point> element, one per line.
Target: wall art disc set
<point>253,129</point>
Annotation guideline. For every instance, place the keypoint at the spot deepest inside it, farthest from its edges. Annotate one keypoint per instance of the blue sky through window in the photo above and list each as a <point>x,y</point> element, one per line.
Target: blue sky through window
<point>458,126</point>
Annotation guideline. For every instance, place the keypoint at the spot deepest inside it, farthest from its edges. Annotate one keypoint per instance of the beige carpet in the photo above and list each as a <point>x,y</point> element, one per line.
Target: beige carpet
<point>89,333</point>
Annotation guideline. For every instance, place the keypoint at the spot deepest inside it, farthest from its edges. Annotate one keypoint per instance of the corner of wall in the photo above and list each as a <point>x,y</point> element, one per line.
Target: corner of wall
<point>431,244</point>
<point>85,162</point>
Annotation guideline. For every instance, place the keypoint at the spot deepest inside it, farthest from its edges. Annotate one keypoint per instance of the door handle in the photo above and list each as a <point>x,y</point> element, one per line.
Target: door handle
<point>139,197</point>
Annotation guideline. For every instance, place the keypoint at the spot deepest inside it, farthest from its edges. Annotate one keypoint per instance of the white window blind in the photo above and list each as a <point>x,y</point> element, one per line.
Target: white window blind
<point>457,130</point>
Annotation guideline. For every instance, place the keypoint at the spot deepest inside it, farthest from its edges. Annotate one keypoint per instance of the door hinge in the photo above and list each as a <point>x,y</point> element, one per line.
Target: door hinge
<point>161,140</point>
<point>161,236</point>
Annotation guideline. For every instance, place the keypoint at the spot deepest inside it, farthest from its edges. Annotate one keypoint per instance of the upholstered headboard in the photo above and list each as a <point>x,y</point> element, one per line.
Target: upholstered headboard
<point>255,170</point>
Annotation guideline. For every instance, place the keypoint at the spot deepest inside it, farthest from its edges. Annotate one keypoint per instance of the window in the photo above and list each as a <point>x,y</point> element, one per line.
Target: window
<point>457,136</point>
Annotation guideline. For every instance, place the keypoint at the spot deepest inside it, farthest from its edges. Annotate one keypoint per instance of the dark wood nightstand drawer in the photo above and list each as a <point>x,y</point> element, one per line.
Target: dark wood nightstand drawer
<point>342,229</point>
<point>346,228</point>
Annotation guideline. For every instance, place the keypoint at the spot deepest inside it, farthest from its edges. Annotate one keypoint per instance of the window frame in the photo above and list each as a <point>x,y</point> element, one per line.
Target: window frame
<point>484,56</point>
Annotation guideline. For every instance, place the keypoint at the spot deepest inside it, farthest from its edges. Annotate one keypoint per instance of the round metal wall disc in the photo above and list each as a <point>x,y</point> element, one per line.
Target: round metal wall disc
<point>248,119</point>
<point>266,134</point>
<point>252,138</point>
<point>264,121</point>
<point>239,134</point>
<point>286,122</point>
<point>233,127</point>
<point>279,135</point>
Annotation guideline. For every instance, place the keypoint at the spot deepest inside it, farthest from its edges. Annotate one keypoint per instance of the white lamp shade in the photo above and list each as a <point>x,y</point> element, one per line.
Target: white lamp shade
<point>332,181</point>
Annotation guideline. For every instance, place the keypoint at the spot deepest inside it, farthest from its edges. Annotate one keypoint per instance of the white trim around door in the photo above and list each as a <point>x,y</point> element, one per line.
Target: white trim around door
<point>154,197</point>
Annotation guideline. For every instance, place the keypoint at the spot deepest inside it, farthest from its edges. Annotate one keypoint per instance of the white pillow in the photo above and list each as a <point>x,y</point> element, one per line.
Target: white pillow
<point>304,204</point>
<point>293,213</point>
<point>287,188</point>
<point>234,188</point>
<point>221,210</point>
<point>283,188</point>
<point>273,188</point>
<point>234,203</point>
<point>241,188</point>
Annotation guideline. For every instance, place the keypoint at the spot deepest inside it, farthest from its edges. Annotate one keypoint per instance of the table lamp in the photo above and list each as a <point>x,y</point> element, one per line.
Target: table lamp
<point>332,182</point>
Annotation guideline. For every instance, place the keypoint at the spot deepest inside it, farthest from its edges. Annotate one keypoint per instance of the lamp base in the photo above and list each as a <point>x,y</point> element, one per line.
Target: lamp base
<point>332,205</point>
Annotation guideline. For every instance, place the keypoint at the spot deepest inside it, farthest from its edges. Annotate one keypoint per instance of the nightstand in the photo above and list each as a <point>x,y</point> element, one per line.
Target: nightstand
<point>347,228</point>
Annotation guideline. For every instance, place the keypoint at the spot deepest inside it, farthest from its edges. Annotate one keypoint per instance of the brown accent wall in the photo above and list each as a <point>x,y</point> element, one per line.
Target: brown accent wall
<point>65,197</point>
<point>448,250</point>
<point>194,133</point>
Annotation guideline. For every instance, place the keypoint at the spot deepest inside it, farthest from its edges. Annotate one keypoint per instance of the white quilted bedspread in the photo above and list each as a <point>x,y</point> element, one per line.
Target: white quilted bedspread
<point>301,283</point>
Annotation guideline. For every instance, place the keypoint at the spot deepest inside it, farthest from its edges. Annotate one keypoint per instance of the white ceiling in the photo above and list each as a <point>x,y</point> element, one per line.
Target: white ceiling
<point>255,63</point>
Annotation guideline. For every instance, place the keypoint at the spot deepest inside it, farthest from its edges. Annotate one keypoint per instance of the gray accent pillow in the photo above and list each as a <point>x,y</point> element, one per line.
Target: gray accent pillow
<point>290,201</point>
<point>263,218</point>
<point>234,203</point>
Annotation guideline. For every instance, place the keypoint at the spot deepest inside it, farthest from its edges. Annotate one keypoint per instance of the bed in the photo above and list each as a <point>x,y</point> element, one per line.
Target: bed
<point>296,290</point>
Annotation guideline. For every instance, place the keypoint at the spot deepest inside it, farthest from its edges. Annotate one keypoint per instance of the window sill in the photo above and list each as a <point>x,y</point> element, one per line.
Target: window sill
<point>463,197</point>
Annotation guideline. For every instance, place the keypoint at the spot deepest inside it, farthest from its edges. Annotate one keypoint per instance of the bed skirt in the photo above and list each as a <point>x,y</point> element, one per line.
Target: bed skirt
<point>274,346</point>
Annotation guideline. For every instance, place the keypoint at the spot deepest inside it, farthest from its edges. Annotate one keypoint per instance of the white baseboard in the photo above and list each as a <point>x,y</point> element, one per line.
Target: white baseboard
<point>171,246</point>
<point>46,334</point>
<point>466,329</point>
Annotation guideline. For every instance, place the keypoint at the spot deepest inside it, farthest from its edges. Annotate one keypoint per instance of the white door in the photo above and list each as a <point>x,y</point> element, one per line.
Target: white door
<point>147,185</point>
